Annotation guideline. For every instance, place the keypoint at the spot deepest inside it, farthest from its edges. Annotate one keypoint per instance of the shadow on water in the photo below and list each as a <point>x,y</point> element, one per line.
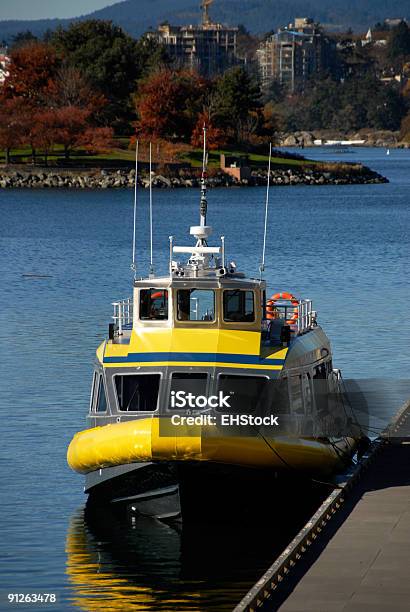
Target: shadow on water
<point>142,563</point>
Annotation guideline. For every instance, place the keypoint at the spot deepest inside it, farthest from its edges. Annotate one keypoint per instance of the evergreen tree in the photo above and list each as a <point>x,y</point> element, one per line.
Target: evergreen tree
<point>399,41</point>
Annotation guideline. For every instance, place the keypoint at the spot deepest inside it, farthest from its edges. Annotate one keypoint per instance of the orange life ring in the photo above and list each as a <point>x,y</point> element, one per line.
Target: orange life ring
<point>293,319</point>
<point>156,295</point>
<point>284,295</point>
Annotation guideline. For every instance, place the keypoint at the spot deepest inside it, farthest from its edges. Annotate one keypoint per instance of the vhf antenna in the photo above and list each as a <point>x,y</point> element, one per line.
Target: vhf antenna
<point>134,264</point>
<point>151,267</point>
<point>204,204</point>
<point>262,265</point>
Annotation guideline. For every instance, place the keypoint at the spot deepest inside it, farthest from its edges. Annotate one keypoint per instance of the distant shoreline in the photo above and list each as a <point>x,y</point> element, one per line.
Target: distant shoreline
<point>331,138</point>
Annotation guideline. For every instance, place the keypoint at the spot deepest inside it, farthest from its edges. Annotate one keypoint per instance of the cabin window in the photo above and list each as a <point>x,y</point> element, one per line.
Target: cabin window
<point>153,304</point>
<point>93,390</point>
<point>320,389</point>
<point>245,392</point>
<point>281,402</point>
<point>102,399</point>
<point>137,392</point>
<point>320,372</point>
<point>307,393</point>
<point>195,305</point>
<point>296,394</point>
<point>239,306</point>
<point>183,383</point>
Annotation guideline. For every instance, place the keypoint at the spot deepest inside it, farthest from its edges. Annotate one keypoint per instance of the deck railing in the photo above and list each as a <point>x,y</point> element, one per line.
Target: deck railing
<point>122,316</point>
<point>306,316</point>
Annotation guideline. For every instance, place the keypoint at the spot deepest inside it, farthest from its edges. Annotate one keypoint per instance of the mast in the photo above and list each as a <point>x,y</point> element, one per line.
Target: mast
<point>203,207</point>
<point>201,253</point>
<point>133,264</point>
<point>262,264</point>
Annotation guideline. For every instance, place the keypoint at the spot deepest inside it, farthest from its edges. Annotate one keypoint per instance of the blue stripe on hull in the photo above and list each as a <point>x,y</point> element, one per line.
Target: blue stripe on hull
<point>200,357</point>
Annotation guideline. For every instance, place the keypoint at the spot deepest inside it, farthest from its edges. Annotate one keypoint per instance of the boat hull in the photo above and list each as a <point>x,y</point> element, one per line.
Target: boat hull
<point>193,490</point>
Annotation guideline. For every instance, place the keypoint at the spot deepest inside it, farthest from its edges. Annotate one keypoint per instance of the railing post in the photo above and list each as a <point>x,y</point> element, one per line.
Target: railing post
<point>120,315</point>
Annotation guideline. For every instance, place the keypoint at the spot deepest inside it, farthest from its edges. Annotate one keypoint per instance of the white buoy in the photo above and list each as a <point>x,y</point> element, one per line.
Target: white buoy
<point>388,152</point>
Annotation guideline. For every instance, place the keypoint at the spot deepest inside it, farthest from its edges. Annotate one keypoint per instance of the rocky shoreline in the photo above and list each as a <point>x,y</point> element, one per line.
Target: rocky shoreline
<point>115,179</point>
<point>364,138</point>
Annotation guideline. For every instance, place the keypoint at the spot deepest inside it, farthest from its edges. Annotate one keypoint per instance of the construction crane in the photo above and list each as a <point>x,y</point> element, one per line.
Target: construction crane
<point>205,15</point>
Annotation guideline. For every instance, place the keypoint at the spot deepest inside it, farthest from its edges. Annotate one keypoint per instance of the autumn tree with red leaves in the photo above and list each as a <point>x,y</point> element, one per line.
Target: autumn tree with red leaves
<point>168,104</point>
<point>11,133</point>
<point>44,133</point>
<point>215,137</point>
<point>30,71</point>
<point>98,140</point>
<point>69,124</point>
<point>46,103</point>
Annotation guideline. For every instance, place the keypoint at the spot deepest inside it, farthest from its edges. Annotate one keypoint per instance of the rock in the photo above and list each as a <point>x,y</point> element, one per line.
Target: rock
<point>106,179</point>
<point>161,179</point>
<point>290,141</point>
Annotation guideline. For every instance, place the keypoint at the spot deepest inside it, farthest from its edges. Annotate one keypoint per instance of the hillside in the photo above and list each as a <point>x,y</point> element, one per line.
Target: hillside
<point>258,16</point>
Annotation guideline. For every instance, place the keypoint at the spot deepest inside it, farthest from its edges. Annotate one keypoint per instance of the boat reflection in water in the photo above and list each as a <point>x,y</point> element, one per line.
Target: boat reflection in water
<point>146,564</point>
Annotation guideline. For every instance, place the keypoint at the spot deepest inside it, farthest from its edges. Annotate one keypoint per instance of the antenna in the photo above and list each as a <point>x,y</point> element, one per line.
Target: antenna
<point>262,266</point>
<point>134,265</point>
<point>151,268</point>
<point>204,204</point>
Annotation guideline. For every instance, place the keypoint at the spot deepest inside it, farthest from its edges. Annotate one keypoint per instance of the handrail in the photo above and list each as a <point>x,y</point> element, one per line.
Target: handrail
<point>306,316</point>
<point>300,315</point>
<point>123,315</point>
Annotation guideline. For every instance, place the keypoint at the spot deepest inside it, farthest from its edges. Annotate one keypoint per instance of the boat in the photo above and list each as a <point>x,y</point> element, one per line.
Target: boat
<point>207,393</point>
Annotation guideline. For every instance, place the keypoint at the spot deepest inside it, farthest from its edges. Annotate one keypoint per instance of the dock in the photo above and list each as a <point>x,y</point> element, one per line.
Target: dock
<point>354,553</point>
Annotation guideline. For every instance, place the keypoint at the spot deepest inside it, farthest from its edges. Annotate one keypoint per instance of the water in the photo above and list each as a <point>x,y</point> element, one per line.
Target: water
<point>345,247</point>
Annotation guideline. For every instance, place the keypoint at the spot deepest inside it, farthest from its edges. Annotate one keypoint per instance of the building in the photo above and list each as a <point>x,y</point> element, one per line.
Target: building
<point>393,22</point>
<point>210,48</point>
<point>294,54</point>
<point>236,166</point>
<point>4,63</point>
<point>378,39</point>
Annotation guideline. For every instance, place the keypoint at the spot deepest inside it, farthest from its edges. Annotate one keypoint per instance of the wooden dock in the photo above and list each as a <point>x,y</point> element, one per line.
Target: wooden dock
<point>355,556</point>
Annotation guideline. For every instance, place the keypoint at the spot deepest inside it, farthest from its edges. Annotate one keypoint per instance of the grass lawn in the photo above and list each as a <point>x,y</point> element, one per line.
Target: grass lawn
<point>122,156</point>
<point>194,157</point>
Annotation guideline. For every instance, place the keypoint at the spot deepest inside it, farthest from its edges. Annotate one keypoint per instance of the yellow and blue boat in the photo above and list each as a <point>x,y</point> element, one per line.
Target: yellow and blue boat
<point>205,392</point>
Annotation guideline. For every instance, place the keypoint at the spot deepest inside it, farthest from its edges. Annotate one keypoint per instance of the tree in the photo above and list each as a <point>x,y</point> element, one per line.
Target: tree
<point>97,140</point>
<point>385,109</point>
<point>10,124</point>
<point>44,134</point>
<point>108,60</point>
<point>380,27</point>
<point>70,123</point>
<point>152,56</point>
<point>30,130</point>
<point>399,41</point>
<point>349,105</point>
<point>168,104</point>
<point>238,96</point>
<point>23,38</point>
<point>405,129</point>
<point>30,71</point>
<point>215,137</point>
<point>70,88</point>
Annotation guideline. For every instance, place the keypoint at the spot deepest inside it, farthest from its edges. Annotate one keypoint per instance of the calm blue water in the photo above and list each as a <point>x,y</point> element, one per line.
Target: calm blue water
<point>345,247</point>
